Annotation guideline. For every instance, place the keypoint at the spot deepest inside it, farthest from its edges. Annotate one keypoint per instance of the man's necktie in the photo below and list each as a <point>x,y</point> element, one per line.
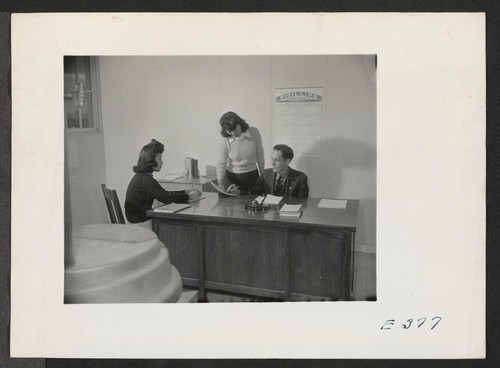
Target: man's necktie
<point>279,184</point>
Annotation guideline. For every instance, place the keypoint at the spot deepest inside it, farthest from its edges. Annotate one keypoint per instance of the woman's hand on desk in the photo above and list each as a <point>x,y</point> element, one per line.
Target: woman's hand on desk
<point>193,194</point>
<point>233,189</point>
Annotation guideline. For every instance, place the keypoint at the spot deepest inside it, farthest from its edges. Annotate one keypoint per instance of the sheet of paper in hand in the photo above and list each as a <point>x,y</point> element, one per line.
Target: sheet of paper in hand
<point>220,190</point>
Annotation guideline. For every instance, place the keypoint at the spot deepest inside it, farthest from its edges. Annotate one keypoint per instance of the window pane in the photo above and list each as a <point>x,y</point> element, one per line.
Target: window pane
<point>78,92</point>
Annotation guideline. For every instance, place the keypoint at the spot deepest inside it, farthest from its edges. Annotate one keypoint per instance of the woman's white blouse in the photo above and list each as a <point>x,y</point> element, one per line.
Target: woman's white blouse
<point>242,154</point>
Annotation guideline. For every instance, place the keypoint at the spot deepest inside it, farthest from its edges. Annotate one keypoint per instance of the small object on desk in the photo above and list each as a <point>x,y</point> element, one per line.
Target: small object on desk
<point>339,204</point>
<point>191,166</point>
<point>272,199</point>
<point>196,200</point>
<point>172,207</point>
<point>291,210</point>
<point>256,204</point>
<point>223,191</point>
<point>171,177</point>
<point>259,199</point>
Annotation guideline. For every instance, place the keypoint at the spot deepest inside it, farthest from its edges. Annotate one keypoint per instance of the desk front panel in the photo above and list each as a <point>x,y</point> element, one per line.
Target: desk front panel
<point>250,257</point>
<point>316,265</point>
<point>182,242</point>
<point>272,262</point>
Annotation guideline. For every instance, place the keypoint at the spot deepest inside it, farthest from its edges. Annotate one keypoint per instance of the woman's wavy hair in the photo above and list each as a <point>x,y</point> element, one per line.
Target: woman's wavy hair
<point>147,157</point>
<point>228,122</point>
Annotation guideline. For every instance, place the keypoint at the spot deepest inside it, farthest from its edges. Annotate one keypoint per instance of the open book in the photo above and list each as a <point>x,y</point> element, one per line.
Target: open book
<point>172,207</point>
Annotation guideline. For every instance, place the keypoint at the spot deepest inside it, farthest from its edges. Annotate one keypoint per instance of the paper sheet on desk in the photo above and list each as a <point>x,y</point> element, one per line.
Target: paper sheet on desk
<point>172,207</point>
<point>196,200</point>
<point>271,199</point>
<point>171,176</point>
<point>340,204</point>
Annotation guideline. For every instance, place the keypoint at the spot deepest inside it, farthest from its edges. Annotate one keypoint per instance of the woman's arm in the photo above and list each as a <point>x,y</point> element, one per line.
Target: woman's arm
<point>157,192</point>
<point>259,150</point>
<point>222,152</point>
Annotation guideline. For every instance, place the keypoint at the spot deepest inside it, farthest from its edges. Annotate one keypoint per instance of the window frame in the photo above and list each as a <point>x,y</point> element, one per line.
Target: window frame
<point>95,98</point>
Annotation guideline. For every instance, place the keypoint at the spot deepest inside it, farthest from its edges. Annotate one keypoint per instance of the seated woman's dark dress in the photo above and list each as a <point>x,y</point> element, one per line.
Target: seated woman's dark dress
<point>141,193</point>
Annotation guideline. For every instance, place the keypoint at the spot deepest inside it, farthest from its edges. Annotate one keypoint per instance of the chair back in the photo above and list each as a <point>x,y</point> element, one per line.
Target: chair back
<point>113,204</point>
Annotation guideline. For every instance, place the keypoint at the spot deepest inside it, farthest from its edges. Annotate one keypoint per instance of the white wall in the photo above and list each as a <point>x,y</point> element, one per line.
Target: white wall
<point>174,100</point>
<point>87,201</point>
<point>179,100</point>
<point>246,89</point>
<point>350,143</point>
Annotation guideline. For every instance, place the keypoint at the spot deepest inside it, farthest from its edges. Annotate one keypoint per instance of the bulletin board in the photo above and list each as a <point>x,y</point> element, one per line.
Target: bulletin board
<point>298,119</point>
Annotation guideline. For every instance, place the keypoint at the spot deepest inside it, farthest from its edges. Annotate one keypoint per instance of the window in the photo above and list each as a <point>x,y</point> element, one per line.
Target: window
<point>81,94</point>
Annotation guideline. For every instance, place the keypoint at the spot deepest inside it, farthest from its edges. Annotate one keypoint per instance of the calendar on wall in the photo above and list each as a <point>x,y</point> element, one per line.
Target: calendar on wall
<point>298,119</point>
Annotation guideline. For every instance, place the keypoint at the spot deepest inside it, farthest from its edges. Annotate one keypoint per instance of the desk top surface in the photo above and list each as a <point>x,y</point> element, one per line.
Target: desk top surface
<point>179,179</point>
<point>232,209</point>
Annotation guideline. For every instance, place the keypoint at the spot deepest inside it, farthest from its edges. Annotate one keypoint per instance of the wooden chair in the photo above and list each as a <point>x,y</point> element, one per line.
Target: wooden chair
<point>113,204</point>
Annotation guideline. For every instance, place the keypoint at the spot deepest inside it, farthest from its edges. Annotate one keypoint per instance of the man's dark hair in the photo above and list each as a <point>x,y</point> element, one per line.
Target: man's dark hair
<point>286,151</point>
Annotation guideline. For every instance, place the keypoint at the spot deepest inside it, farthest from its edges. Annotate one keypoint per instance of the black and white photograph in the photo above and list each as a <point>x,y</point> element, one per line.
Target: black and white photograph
<point>248,186</point>
<point>220,178</point>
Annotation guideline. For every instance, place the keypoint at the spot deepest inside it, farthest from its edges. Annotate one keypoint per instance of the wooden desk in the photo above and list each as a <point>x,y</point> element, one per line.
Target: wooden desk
<point>217,244</point>
<point>181,183</point>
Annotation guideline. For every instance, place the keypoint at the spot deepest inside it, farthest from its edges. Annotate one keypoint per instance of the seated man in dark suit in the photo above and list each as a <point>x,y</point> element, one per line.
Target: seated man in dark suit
<point>281,179</point>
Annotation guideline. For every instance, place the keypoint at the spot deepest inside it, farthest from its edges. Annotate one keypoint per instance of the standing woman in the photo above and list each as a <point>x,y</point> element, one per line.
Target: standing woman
<point>241,155</point>
<point>143,189</point>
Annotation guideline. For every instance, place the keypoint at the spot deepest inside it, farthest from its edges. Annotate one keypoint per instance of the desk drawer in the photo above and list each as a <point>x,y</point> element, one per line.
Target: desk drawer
<point>316,265</point>
<point>245,257</point>
<point>183,246</point>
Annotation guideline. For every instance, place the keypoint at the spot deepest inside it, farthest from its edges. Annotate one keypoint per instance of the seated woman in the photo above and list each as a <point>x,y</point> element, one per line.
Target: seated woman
<point>144,189</point>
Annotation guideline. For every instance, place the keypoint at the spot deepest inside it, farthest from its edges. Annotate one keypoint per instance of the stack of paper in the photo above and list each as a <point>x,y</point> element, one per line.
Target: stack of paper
<point>291,210</point>
<point>172,207</point>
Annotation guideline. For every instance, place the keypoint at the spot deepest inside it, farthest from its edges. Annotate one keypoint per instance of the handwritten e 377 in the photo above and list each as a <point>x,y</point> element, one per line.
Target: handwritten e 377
<point>411,323</point>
